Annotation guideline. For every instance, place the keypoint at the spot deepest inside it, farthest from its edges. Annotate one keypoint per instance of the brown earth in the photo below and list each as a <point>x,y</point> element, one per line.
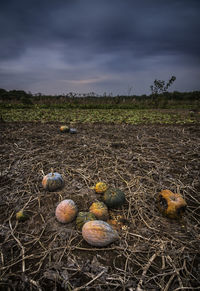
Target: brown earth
<point>153,253</point>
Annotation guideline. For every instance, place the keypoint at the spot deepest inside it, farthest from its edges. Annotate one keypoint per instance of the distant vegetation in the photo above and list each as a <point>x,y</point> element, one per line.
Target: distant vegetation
<point>161,86</point>
<point>156,100</point>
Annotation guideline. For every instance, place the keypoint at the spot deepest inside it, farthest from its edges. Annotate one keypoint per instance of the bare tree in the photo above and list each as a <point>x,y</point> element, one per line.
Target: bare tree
<point>160,86</point>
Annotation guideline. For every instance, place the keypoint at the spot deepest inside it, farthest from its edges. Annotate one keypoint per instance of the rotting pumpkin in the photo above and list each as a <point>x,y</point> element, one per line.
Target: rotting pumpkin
<point>170,204</point>
<point>99,233</point>
<point>66,211</point>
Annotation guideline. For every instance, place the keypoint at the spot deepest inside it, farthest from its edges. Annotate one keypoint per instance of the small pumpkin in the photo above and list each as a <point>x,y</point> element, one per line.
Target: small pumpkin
<point>83,217</point>
<point>21,215</point>
<point>53,181</point>
<point>171,204</point>
<point>64,128</point>
<point>100,187</point>
<point>99,233</point>
<point>66,211</point>
<point>100,210</point>
<point>114,198</point>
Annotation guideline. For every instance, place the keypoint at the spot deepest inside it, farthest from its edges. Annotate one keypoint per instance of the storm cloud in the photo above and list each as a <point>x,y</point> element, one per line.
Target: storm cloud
<point>55,47</point>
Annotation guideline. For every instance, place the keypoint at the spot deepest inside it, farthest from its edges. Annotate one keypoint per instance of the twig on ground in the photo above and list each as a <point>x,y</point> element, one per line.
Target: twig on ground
<point>145,269</point>
<point>88,283</point>
<point>19,243</point>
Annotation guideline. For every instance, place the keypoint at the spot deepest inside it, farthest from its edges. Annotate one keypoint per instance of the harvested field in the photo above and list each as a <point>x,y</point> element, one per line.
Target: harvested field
<point>153,253</point>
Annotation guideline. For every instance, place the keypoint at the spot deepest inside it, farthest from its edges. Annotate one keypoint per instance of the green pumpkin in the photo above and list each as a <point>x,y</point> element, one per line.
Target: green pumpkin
<point>84,217</point>
<point>114,198</point>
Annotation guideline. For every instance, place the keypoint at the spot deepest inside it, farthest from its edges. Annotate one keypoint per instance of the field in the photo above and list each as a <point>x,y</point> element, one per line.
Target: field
<point>131,116</point>
<point>139,151</point>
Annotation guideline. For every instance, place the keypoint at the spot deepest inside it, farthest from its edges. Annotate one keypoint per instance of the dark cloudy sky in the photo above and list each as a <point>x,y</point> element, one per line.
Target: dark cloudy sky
<point>118,46</point>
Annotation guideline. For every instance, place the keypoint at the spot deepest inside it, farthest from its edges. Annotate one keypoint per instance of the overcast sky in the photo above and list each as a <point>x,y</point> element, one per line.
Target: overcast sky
<point>118,46</point>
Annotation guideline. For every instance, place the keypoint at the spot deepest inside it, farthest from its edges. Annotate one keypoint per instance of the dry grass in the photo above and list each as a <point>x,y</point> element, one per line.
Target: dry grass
<point>153,253</point>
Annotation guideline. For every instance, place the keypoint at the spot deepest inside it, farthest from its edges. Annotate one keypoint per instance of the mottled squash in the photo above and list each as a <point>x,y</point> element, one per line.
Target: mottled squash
<point>66,211</point>
<point>114,198</point>
<point>100,187</point>
<point>53,182</point>
<point>100,210</point>
<point>83,217</point>
<point>171,204</point>
<point>64,128</point>
<point>99,233</point>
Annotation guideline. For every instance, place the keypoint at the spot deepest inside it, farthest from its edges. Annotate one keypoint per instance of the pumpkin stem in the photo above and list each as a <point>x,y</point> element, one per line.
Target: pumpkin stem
<point>52,172</point>
<point>43,174</point>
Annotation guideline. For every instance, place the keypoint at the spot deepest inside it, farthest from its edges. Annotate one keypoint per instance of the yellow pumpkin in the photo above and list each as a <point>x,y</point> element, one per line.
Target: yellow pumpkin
<point>171,204</point>
<point>100,187</point>
<point>100,210</point>
<point>21,215</point>
<point>66,211</point>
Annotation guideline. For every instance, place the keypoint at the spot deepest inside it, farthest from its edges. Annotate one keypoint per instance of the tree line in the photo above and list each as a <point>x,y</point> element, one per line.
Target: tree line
<point>9,95</point>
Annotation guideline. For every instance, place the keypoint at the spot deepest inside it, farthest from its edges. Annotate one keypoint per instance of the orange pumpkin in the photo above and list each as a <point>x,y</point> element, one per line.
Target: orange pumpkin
<point>64,128</point>
<point>99,233</point>
<point>100,187</point>
<point>66,211</point>
<point>171,204</point>
<point>100,210</point>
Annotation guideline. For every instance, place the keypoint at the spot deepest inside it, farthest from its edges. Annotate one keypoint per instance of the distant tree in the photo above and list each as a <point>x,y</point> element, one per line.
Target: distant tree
<point>17,94</point>
<point>160,86</point>
<point>3,93</point>
<point>71,95</point>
